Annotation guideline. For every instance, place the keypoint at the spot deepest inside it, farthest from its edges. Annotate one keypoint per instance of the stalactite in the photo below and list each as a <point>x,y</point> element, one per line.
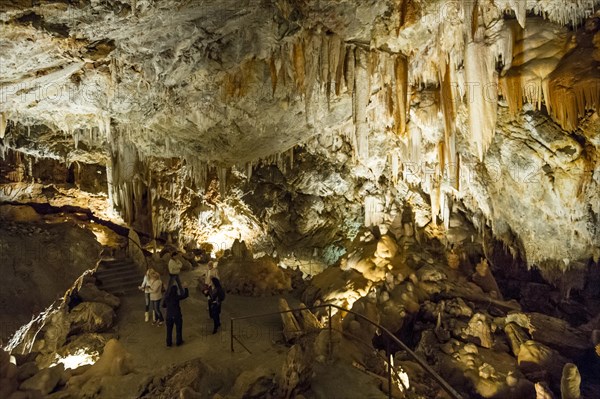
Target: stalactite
<point>435,199</point>
<point>324,61</point>
<point>349,69</point>
<point>520,9</point>
<point>249,170</point>
<point>474,22</point>
<point>3,122</point>
<point>313,51</point>
<point>222,176</point>
<point>395,166</point>
<point>273,70</point>
<point>371,210</point>
<point>446,209</point>
<point>401,107</point>
<point>480,71</point>
<point>414,145</point>
<point>361,100</point>
<point>441,158</point>
<point>335,43</point>
<point>339,73</point>
<point>299,62</point>
<point>291,156</point>
<point>447,103</point>
<point>573,88</point>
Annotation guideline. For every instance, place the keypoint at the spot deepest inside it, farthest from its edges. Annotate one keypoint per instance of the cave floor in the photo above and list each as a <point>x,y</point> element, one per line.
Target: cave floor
<point>147,343</point>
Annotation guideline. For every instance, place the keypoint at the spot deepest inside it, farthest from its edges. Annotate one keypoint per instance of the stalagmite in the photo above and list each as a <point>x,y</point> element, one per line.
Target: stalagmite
<point>570,382</point>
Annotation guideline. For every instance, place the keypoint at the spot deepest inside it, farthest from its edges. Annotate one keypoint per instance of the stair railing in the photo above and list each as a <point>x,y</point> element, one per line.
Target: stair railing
<point>428,369</point>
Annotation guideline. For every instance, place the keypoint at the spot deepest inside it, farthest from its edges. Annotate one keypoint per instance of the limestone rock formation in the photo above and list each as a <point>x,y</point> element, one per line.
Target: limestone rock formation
<point>91,317</point>
<point>44,381</point>
<point>114,361</point>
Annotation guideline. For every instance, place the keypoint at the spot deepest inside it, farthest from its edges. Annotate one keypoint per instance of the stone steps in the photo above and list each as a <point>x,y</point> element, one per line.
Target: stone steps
<point>118,276</point>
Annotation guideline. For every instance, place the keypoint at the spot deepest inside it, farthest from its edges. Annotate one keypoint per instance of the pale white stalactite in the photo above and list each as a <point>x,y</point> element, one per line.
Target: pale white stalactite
<point>109,181</point>
<point>3,122</point>
<point>335,43</point>
<point>373,214</point>
<point>324,61</point>
<point>414,146</point>
<point>395,166</point>
<point>349,70</point>
<point>339,74</point>
<point>481,80</point>
<point>361,101</point>
<point>520,9</point>
<point>312,70</point>
<point>401,101</point>
<point>435,196</point>
<point>249,170</point>
<point>222,176</point>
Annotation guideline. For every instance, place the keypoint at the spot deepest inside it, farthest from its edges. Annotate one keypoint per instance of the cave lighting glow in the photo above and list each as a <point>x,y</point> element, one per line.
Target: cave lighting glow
<point>80,358</point>
<point>101,236</point>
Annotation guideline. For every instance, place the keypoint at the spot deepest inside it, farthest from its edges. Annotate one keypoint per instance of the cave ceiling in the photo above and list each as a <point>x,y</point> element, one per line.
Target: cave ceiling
<point>478,88</point>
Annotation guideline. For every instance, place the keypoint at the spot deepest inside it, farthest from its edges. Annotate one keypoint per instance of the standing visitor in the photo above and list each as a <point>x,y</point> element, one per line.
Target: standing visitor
<point>174,317</point>
<point>211,272</point>
<point>216,296</point>
<point>156,286</point>
<point>175,266</point>
<point>146,288</point>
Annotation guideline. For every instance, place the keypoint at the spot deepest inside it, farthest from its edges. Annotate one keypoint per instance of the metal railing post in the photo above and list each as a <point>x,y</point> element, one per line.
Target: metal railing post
<point>231,333</point>
<point>390,336</point>
<point>389,362</point>
<point>330,333</point>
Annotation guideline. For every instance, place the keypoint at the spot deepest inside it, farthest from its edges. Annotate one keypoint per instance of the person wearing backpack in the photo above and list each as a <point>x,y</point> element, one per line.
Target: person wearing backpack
<point>216,296</point>
<point>174,317</point>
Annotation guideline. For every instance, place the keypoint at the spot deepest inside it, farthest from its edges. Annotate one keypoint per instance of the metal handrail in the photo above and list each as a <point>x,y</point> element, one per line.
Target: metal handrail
<point>443,383</point>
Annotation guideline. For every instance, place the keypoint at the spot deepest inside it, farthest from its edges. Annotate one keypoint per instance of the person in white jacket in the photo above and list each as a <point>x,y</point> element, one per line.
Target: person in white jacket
<point>156,294</point>
<point>175,266</point>
<point>145,287</point>
<point>211,272</point>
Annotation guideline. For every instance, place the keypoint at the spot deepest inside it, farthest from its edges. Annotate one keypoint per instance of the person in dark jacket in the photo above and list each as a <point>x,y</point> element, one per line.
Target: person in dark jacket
<point>174,317</point>
<point>215,295</point>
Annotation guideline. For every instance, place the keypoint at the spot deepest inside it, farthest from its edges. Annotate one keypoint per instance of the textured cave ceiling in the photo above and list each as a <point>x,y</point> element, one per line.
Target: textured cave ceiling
<point>230,82</point>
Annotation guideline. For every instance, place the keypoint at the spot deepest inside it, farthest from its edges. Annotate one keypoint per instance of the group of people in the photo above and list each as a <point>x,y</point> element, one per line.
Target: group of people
<point>155,293</point>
